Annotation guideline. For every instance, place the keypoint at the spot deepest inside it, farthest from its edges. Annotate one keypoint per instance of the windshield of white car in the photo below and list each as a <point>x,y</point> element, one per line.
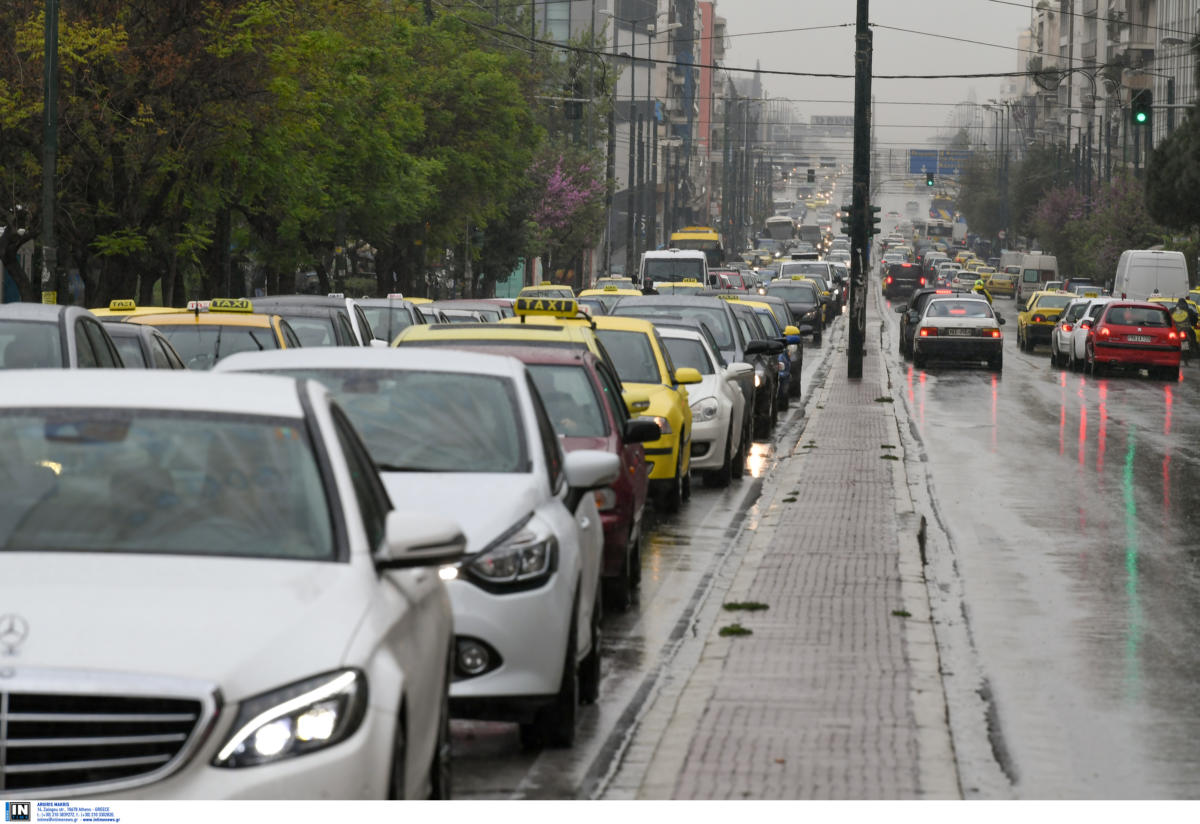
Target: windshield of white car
<point>716,317</point>
<point>155,482</point>
<point>570,399</point>
<point>416,421</point>
<point>30,345</point>
<point>387,321</point>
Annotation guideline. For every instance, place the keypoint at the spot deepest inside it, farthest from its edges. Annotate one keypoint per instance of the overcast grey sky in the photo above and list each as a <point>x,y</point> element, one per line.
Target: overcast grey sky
<point>895,52</point>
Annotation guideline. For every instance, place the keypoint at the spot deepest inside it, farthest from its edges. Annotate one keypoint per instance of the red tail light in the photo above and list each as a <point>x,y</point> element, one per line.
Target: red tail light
<point>889,279</point>
<point>1172,335</point>
<point>1067,327</point>
<point>1085,324</point>
<point>1104,332</point>
<point>929,332</point>
<point>922,281</point>
<point>991,333</point>
<point>1038,319</point>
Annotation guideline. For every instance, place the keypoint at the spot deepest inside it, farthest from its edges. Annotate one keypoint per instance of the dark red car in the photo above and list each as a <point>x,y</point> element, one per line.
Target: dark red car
<point>728,279</point>
<point>1136,335</point>
<point>584,400</point>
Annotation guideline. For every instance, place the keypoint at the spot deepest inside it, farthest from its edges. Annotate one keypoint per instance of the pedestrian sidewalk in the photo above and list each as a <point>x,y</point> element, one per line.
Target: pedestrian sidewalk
<point>836,694</point>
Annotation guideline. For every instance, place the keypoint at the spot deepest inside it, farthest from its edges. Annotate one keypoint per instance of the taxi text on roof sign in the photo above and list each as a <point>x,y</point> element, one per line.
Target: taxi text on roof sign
<point>230,305</point>
<point>121,305</point>
<point>554,307</point>
<point>611,288</point>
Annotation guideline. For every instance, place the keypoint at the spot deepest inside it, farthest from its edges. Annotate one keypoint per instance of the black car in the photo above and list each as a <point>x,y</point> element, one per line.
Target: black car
<point>735,339</point>
<point>803,298</point>
<point>910,313</point>
<point>902,279</point>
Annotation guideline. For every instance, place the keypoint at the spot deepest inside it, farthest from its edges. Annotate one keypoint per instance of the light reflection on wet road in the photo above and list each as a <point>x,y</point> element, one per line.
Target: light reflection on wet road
<point>1074,506</point>
<point>679,557</point>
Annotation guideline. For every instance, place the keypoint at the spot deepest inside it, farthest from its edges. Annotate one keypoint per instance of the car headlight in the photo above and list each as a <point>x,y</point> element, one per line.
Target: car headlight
<point>759,376</point>
<point>664,425</point>
<point>297,719</point>
<point>811,314</point>
<point>524,558</point>
<point>705,409</point>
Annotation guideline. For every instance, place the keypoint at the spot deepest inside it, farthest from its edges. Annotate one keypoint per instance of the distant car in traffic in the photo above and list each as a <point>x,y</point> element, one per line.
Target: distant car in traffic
<point>49,336</point>
<point>959,328</point>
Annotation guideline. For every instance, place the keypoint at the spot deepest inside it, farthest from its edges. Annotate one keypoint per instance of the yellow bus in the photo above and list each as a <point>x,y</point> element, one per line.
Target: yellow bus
<point>704,238</point>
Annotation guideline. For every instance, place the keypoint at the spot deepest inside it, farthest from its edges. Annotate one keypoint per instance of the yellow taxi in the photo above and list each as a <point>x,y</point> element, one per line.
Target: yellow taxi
<point>120,310</point>
<point>975,265</point>
<point>614,280</point>
<point>1003,284</point>
<point>546,290</point>
<point>228,325</point>
<point>419,300</point>
<point>645,369</point>
<point>962,257</point>
<point>1038,316</point>
<point>609,295</point>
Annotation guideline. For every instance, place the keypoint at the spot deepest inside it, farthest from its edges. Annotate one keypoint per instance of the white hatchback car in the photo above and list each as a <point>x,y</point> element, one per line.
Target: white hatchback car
<point>1077,350</point>
<point>1064,328</point>
<point>207,595</point>
<point>718,406</point>
<point>465,435</point>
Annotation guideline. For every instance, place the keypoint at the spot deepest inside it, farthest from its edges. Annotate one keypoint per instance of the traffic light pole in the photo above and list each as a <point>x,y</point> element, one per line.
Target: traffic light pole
<point>860,235</point>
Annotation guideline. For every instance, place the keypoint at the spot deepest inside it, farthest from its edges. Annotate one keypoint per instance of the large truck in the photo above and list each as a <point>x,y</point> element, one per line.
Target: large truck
<point>703,238</point>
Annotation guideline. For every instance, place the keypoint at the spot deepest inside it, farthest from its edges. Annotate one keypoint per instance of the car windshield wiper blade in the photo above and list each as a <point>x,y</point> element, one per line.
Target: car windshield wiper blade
<point>387,467</point>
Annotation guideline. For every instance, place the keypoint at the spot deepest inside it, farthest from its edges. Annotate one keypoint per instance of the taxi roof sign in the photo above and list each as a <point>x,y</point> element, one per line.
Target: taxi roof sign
<point>121,305</point>
<point>395,296</point>
<point>689,280</point>
<point>547,307</point>
<point>339,295</point>
<point>612,288</point>
<point>230,305</point>
<point>197,305</point>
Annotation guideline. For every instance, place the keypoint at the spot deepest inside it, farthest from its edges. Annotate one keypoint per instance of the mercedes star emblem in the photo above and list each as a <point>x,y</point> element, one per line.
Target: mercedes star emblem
<point>13,631</point>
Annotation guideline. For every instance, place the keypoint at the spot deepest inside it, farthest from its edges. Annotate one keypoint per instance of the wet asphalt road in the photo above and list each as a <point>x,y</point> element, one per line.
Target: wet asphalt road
<point>680,555</point>
<point>1073,505</point>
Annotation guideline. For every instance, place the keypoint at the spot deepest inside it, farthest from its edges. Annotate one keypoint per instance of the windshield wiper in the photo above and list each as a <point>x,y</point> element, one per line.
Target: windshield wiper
<point>386,467</point>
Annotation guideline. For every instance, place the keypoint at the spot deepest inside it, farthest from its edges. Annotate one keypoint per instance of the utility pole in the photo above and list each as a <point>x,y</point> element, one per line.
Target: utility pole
<point>50,155</point>
<point>860,208</point>
<point>630,192</point>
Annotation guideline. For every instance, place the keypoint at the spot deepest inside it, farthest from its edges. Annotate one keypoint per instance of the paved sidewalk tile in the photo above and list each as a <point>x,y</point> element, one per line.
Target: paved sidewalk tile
<point>836,693</point>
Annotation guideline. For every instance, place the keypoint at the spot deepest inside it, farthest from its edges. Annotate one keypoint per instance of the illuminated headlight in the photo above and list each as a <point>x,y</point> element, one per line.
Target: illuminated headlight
<point>297,719</point>
<point>705,409</point>
<point>811,315</point>
<point>606,499</point>
<point>525,557</point>
<point>758,377</point>
<point>664,425</point>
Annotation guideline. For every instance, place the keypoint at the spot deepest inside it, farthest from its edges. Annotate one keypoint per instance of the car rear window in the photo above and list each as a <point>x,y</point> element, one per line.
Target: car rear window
<point>944,308</point>
<point>1053,301</point>
<point>1137,316</point>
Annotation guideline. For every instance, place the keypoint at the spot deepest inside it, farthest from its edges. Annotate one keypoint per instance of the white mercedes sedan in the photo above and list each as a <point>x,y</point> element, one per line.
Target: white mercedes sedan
<point>205,593</point>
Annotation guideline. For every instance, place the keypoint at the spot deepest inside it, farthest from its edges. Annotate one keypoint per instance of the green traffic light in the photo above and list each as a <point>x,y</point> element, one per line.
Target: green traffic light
<point>1140,117</point>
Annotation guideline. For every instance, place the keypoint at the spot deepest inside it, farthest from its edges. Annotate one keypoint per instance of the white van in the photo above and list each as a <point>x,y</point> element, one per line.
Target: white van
<point>1036,269</point>
<point>672,266</point>
<point>1145,272</point>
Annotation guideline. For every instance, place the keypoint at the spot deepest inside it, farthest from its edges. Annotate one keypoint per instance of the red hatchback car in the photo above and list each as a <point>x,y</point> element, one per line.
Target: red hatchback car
<point>584,400</point>
<point>1136,335</point>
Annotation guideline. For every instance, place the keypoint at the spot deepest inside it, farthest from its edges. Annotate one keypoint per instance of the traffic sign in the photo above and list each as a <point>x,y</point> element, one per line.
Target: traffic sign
<point>922,161</point>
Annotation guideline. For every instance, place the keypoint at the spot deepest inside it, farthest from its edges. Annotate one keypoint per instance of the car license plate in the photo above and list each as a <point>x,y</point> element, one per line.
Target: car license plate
<point>962,333</point>
<point>1138,338</point>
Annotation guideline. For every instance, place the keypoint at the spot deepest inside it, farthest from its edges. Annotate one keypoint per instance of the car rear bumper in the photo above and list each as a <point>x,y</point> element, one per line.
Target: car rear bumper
<point>967,349</point>
<point>1038,332</point>
<point>1136,354</point>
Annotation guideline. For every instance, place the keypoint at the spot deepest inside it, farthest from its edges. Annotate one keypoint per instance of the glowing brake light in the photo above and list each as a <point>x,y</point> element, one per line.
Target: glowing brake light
<point>1104,332</point>
<point>929,332</point>
<point>1172,335</point>
<point>1085,324</point>
<point>1067,327</point>
<point>991,333</point>
<point>889,279</point>
<point>922,281</point>
<point>1038,319</point>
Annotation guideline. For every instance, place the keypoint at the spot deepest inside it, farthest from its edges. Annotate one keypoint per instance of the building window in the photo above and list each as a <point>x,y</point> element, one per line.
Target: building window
<point>558,21</point>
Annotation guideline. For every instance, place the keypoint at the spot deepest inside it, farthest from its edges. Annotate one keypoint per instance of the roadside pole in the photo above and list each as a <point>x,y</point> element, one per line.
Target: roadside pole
<point>860,232</point>
<point>50,156</point>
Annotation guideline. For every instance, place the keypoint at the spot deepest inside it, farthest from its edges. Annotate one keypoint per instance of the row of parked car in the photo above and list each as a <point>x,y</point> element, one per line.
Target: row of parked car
<point>281,574</point>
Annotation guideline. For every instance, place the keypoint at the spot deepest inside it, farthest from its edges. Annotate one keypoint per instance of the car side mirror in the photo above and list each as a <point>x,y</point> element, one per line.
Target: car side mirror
<point>378,344</point>
<point>1000,320</point>
<point>687,375</point>
<point>901,309</point>
<point>790,331</point>
<point>759,347</point>
<point>738,370</point>
<point>641,430</point>
<point>418,539</point>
